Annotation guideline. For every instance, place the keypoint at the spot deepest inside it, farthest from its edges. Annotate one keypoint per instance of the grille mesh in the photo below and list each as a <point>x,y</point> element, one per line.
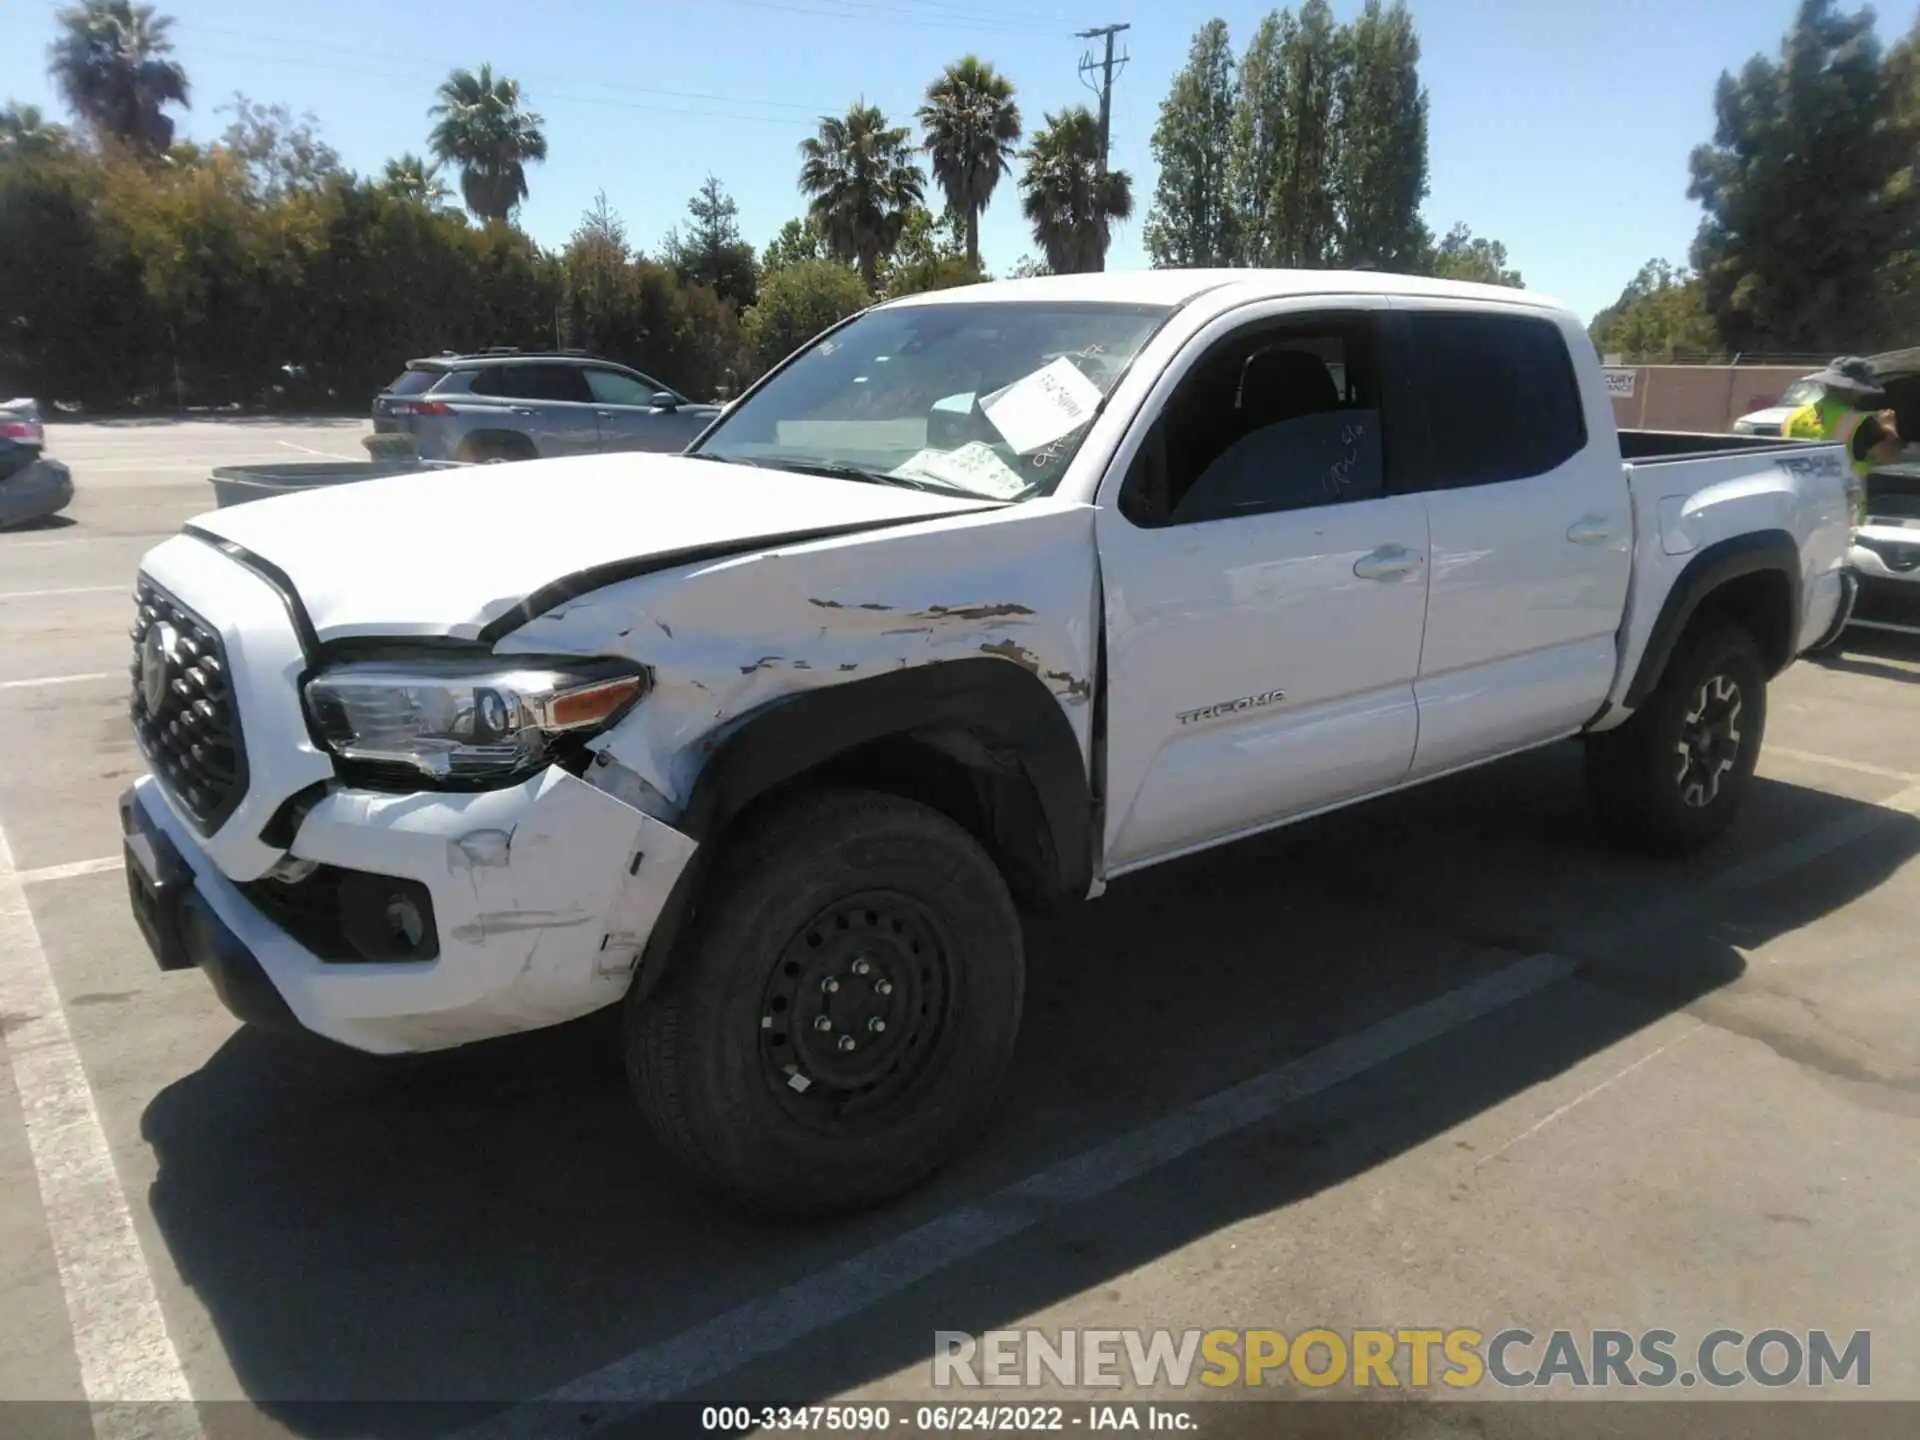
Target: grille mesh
<point>191,737</point>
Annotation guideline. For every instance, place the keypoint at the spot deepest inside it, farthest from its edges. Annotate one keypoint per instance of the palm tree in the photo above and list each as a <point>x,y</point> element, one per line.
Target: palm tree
<point>483,130</point>
<point>1067,196</point>
<point>110,62</point>
<point>24,131</point>
<point>412,178</point>
<point>971,126</point>
<point>863,180</point>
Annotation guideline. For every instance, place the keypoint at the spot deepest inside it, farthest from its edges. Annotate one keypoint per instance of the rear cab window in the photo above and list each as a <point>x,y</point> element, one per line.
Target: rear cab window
<point>1502,397</point>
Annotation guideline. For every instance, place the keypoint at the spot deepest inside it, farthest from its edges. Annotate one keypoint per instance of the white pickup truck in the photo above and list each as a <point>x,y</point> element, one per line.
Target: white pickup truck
<point>984,598</point>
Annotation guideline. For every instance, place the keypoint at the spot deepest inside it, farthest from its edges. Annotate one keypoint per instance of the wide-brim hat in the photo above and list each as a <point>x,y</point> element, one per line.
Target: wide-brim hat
<point>1850,378</point>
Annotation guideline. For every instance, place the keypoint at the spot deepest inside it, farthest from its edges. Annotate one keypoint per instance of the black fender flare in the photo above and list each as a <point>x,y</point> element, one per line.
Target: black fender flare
<point>1726,560</point>
<point>1002,704</point>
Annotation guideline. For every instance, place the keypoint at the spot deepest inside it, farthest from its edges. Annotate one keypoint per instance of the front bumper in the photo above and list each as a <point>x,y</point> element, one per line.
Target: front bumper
<point>1889,596</point>
<point>543,897</point>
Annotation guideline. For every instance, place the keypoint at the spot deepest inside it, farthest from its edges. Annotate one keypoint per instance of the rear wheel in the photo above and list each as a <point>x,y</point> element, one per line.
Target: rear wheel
<point>847,1011</point>
<point>1673,777</point>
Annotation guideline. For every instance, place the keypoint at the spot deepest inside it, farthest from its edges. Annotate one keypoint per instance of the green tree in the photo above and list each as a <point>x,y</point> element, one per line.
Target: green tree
<point>1191,221</point>
<point>860,173</point>
<point>796,303</point>
<point>1065,196</point>
<point>281,151</point>
<point>1807,188</point>
<point>931,255</point>
<point>1466,256</point>
<point>972,126</point>
<point>1254,138</point>
<point>481,128</point>
<point>1303,213</point>
<point>412,178</point>
<point>25,133</point>
<point>711,253</point>
<point>111,63</point>
<point>1380,161</point>
<point>797,240</point>
<point>1660,316</point>
<point>1028,267</point>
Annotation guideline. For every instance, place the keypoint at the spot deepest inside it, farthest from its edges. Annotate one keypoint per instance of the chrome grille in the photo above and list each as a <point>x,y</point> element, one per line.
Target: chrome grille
<point>183,713</point>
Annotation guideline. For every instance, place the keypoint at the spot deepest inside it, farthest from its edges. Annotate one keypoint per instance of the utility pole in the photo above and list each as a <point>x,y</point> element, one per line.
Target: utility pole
<point>1106,69</point>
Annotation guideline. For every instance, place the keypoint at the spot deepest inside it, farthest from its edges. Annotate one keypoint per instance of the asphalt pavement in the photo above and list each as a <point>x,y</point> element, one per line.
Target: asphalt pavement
<point>1440,1062</point>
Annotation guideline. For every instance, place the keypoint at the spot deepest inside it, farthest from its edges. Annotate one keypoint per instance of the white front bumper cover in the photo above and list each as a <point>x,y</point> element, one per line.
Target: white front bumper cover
<point>543,897</point>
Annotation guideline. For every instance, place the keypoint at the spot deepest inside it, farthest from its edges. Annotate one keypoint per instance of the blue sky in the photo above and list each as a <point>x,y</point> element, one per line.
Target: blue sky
<point>1560,127</point>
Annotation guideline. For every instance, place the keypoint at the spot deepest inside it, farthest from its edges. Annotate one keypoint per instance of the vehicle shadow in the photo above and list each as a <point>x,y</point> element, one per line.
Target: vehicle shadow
<point>43,522</point>
<point>1882,654</point>
<point>487,1225</point>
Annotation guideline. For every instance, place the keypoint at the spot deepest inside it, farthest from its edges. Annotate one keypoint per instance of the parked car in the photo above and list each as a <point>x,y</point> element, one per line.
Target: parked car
<point>505,405</point>
<point>1885,560</point>
<point>987,597</point>
<point>32,484</point>
<point>1771,420</point>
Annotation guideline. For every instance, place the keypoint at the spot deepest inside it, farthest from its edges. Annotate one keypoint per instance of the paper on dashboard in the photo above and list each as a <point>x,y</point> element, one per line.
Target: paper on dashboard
<point>1038,409</point>
<point>973,467</point>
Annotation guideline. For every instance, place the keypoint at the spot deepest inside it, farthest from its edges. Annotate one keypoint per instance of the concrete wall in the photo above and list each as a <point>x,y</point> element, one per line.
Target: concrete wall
<point>1698,398</point>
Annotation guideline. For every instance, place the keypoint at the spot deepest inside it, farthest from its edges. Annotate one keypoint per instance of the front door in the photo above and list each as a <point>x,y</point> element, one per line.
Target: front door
<point>629,420</point>
<point>1264,589</point>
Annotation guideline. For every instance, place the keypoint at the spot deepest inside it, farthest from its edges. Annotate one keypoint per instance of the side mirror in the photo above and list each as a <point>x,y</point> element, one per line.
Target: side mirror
<point>665,400</point>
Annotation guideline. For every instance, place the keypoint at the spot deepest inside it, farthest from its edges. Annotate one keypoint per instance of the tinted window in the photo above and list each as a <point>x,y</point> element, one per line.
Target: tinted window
<point>416,382</point>
<point>1270,419</point>
<point>533,382</point>
<point>1503,402</point>
<point>610,387</point>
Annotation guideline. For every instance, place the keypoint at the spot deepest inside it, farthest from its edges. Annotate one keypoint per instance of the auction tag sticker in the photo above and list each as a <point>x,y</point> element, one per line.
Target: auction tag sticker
<point>1053,401</point>
<point>972,467</point>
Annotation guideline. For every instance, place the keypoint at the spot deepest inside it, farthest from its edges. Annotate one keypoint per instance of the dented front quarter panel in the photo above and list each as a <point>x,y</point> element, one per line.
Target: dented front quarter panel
<point>726,640</point>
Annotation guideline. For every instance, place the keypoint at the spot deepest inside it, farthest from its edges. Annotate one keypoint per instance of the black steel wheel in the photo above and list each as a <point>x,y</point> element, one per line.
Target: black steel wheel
<point>1673,777</point>
<point>844,1014</point>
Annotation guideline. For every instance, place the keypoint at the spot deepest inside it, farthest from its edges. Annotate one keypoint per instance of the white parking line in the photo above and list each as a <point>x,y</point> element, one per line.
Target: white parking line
<point>38,681</point>
<point>72,590</point>
<point>772,1322</point>
<point>1839,762</point>
<point>119,1333</point>
<point>309,450</point>
<point>72,870</point>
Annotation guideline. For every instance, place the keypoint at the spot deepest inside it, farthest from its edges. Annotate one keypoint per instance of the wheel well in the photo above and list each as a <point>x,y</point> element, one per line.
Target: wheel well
<point>964,776</point>
<point>1761,603</point>
<point>498,442</point>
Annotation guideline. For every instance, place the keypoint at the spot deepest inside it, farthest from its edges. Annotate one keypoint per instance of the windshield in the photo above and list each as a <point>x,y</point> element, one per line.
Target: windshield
<point>988,398</point>
<point>1800,392</point>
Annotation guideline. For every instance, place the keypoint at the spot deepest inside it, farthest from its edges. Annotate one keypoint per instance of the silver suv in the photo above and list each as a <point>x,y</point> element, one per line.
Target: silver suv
<point>505,405</point>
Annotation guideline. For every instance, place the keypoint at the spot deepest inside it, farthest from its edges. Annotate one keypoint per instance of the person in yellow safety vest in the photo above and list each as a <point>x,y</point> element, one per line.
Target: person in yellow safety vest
<point>1851,411</point>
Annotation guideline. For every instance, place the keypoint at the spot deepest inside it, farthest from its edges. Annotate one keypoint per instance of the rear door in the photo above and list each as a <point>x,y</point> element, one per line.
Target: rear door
<point>1264,585</point>
<point>1530,524</point>
<point>549,403</point>
<point>628,418</point>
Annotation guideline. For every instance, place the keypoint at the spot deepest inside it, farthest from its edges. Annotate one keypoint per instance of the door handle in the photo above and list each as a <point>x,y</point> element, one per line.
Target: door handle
<point>1389,562</point>
<point>1591,530</point>
<point>522,410</point>
<point>604,414</point>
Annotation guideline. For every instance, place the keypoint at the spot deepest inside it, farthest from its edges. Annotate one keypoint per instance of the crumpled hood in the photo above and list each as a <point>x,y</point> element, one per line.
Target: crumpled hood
<point>444,552</point>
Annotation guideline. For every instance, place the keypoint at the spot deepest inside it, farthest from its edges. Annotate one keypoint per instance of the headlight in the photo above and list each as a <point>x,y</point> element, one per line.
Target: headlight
<point>483,721</point>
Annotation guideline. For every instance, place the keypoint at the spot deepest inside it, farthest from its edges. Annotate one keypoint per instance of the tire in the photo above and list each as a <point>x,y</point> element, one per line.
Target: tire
<point>1672,778</point>
<point>848,907</point>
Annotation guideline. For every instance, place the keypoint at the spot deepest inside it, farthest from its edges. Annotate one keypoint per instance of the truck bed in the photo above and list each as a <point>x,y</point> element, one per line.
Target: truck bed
<point>1649,447</point>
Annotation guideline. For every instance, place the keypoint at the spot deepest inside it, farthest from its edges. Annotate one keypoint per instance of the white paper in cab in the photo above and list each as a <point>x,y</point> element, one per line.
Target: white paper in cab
<point>1038,409</point>
<point>972,467</point>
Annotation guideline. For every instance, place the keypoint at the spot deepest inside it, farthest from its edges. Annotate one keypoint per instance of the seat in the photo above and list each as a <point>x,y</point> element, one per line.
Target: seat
<point>1281,385</point>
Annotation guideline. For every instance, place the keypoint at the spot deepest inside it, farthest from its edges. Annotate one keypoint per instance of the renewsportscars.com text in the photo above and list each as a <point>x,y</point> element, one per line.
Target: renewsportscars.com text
<point>1387,1359</point>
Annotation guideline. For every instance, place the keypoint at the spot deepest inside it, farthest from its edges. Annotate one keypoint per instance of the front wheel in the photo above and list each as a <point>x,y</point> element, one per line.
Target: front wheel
<point>1673,777</point>
<point>847,1011</point>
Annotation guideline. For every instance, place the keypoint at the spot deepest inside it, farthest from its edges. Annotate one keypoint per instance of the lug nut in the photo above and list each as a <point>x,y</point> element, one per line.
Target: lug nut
<point>821,1022</point>
<point>846,1042</point>
<point>876,1024</point>
<point>860,967</point>
<point>883,987</point>
<point>830,985</point>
